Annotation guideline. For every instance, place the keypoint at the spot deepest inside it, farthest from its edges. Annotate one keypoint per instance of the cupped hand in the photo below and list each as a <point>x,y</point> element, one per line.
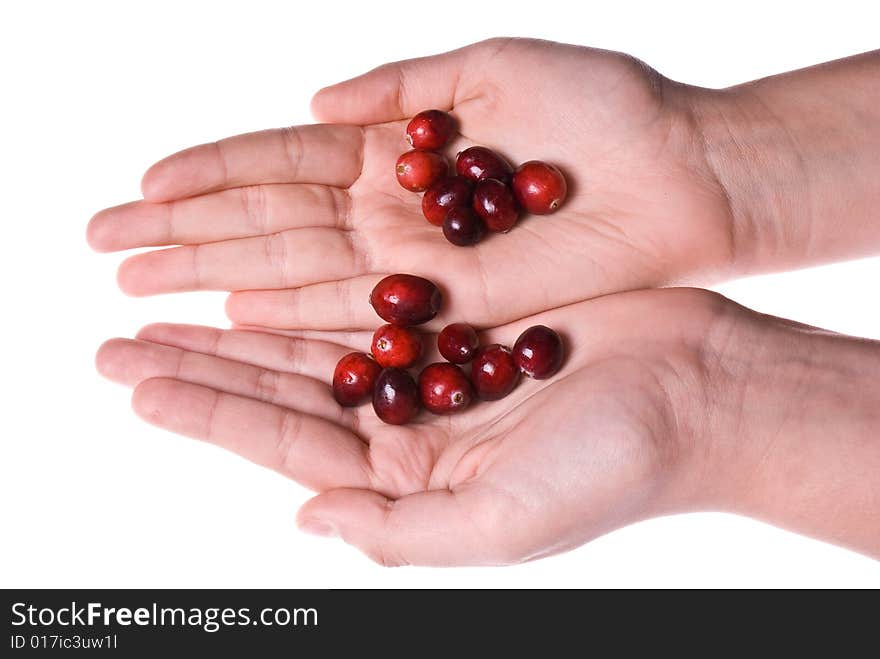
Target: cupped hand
<point>303,221</point>
<point>619,434</point>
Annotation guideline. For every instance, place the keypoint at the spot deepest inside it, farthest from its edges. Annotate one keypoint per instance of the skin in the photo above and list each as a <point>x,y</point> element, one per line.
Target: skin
<point>668,183</point>
<point>644,207</point>
<point>722,409</point>
<point>727,410</point>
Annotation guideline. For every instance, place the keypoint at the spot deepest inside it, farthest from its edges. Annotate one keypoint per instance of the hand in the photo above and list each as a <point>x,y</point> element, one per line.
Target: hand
<point>613,438</point>
<point>313,216</point>
<point>669,401</point>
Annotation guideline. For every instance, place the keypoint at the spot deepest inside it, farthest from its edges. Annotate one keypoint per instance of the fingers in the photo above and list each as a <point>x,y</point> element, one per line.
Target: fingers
<point>278,260</point>
<point>237,213</point>
<point>313,358</point>
<point>437,528</point>
<point>328,155</point>
<point>130,362</point>
<point>331,305</point>
<point>401,89</point>
<point>351,339</point>
<point>314,452</point>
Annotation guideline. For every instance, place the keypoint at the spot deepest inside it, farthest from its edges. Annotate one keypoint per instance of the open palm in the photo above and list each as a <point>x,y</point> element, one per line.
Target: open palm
<point>547,468</point>
<point>303,221</point>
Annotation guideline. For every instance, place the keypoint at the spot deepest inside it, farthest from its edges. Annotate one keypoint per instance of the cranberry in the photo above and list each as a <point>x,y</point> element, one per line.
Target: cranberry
<point>458,343</point>
<point>418,170</point>
<point>494,373</point>
<point>444,388</point>
<point>396,346</point>
<point>495,204</point>
<point>538,352</point>
<point>354,378</point>
<point>430,129</point>
<point>478,162</point>
<point>396,397</point>
<point>406,299</point>
<point>540,188</point>
<point>445,194</point>
<point>463,227</point>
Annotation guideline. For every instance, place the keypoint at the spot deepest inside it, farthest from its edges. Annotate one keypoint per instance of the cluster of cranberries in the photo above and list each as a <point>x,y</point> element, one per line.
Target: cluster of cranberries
<point>442,388</point>
<point>485,192</point>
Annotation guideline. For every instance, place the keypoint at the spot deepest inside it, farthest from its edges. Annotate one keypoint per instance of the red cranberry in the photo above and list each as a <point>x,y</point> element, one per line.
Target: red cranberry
<point>444,388</point>
<point>458,343</point>
<point>478,162</point>
<point>444,195</point>
<point>405,299</point>
<point>354,378</point>
<point>396,397</point>
<point>463,227</point>
<point>494,373</point>
<point>418,170</point>
<point>430,129</point>
<point>538,352</point>
<point>540,188</point>
<point>395,346</point>
<point>495,204</point>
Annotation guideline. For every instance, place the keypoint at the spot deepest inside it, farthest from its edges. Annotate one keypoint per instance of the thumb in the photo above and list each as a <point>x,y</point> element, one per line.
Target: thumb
<point>401,89</point>
<point>438,527</point>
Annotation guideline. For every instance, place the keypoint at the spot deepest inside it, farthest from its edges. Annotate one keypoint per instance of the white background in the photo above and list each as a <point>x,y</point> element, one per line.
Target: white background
<point>92,93</point>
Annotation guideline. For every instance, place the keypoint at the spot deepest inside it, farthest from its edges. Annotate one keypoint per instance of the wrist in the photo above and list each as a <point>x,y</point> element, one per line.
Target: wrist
<point>755,161</point>
<point>797,156</point>
<point>795,428</point>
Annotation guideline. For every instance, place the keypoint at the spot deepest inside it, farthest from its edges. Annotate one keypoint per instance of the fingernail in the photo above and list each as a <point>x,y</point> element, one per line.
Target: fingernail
<point>319,527</point>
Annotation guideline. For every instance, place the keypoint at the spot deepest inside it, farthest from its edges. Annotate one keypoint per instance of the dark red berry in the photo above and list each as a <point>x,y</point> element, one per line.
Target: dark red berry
<point>538,352</point>
<point>494,373</point>
<point>539,188</point>
<point>444,388</point>
<point>395,397</point>
<point>406,299</point>
<point>419,170</point>
<point>495,204</point>
<point>446,194</point>
<point>354,378</point>
<point>463,226</point>
<point>478,162</point>
<point>458,343</point>
<point>430,129</point>
<point>395,346</point>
